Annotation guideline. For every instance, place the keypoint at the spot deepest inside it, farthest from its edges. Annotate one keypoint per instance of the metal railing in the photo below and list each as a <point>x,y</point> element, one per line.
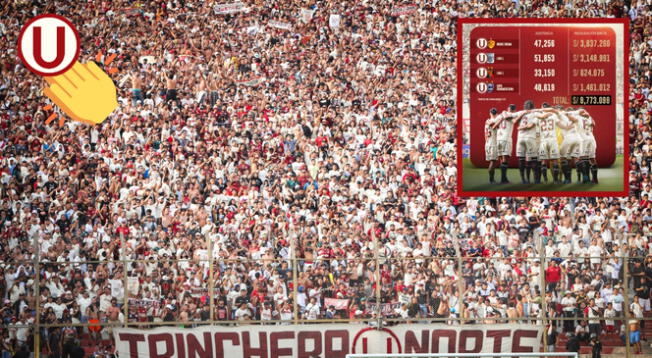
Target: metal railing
<point>295,262</point>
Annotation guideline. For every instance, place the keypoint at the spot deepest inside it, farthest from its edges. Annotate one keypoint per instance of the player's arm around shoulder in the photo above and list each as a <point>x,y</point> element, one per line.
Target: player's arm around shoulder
<point>571,117</point>
<point>497,121</point>
<point>521,115</point>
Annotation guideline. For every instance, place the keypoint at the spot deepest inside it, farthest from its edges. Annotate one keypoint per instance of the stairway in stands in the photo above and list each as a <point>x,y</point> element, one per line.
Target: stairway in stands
<point>612,345</point>
<point>91,346</point>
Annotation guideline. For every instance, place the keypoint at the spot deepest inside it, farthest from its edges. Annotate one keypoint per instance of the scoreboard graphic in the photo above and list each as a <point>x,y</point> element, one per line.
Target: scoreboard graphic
<point>572,66</point>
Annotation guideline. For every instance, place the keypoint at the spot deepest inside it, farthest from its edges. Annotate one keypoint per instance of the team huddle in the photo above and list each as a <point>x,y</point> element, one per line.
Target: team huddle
<point>537,146</point>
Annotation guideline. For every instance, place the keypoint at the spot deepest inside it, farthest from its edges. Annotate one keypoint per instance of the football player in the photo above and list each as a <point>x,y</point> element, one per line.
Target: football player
<point>505,124</point>
<point>527,148</point>
<point>548,146</point>
<point>589,148</point>
<point>571,143</point>
<point>490,144</point>
<point>581,117</point>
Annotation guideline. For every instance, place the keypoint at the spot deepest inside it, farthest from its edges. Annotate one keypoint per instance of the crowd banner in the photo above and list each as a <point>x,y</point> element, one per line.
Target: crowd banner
<point>133,285</point>
<point>252,82</point>
<point>404,10</point>
<point>133,302</point>
<point>337,303</point>
<point>306,15</point>
<point>280,25</point>
<point>324,340</point>
<point>198,292</point>
<point>117,288</point>
<point>132,11</point>
<point>231,8</point>
<point>253,30</point>
<point>334,21</point>
<point>149,59</point>
<point>386,309</point>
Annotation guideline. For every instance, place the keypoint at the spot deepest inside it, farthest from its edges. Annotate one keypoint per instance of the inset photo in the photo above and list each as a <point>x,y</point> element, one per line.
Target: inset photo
<point>541,107</point>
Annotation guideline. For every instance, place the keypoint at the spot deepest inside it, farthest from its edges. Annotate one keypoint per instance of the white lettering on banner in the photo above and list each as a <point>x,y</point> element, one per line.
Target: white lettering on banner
<point>280,25</point>
<point>331,341</point>
<point>231,8</point>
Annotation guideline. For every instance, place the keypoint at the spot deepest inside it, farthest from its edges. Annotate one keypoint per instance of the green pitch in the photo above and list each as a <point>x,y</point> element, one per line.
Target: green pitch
<point>477,179</point>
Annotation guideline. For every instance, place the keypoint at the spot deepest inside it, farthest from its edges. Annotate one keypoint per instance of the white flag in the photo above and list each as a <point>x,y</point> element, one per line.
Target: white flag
<point>334,21</point>
<point>253,30</point>
<point>306,15</point>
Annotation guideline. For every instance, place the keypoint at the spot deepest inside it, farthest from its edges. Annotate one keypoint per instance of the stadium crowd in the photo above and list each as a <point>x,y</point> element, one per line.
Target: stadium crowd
<point>292,129</point>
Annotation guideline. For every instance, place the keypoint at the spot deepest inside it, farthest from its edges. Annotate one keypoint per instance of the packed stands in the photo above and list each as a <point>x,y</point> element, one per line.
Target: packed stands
<point>303,171</point>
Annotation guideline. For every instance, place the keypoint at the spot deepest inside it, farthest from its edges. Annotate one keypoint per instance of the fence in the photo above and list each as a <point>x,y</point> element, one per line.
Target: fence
<point>375,264</point>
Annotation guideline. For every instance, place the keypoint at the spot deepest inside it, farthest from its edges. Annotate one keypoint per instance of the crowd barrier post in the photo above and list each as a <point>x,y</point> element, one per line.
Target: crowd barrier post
<point>626,299</point>
<point>37,296</point>
<point>542,286</point>
<point>211,282</point>
<point>377,278</point>
<point>624,257</point>
<point>461,285</point>
<point>125,279</point>
<point>295,288</point>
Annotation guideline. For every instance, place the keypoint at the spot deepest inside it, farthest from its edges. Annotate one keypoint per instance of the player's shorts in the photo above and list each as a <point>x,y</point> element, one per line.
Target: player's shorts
<point>549,149</point>
<point>527,147</point>
<point>571,147</point>
<point>588,149</point>
<point>491,152</point>
<point>634,337</point>
<point>504,147</point>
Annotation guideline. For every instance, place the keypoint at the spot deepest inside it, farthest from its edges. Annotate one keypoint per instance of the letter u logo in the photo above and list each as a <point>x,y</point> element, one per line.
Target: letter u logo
<point>61,48</point>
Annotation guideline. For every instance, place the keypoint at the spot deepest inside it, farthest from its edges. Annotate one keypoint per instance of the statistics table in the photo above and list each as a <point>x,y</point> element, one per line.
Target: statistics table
<point>561,64</point>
